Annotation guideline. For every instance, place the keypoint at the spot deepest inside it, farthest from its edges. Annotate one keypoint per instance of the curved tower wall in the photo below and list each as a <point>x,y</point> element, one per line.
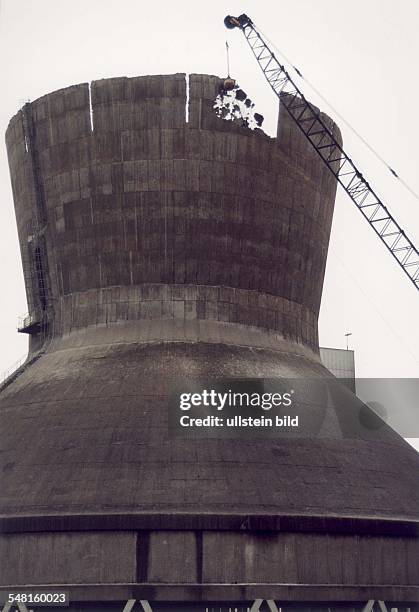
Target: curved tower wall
<point>155,249</point>
<point>148,217</point>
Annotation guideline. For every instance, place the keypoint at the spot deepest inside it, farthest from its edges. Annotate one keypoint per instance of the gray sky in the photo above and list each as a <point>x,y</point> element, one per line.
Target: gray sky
<point>363,60</point>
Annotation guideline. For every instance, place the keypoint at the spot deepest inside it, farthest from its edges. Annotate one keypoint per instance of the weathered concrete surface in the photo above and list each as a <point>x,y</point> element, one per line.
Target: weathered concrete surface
<point>95,424</point>
<point>210,558</point>
<point>193,250</point>
<point>148,199</point>
<point>33,558</point>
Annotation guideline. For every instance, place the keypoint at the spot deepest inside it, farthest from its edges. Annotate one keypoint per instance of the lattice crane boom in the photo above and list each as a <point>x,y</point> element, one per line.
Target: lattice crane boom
<point>327,145</point>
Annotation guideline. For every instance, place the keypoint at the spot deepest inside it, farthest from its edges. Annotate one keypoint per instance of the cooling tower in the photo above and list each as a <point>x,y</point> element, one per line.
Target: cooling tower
<point>161,243</point>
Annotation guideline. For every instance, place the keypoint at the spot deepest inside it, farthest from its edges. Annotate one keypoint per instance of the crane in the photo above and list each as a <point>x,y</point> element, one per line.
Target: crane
<point>321,137</point>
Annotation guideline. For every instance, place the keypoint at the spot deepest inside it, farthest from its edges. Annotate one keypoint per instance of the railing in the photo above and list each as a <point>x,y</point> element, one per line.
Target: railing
<point>13,368</point>
<point>27,320</point>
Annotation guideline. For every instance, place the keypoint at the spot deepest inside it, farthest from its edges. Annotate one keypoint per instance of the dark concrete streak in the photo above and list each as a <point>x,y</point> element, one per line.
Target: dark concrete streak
<point>209,522</point>
<point>199,556</point>
<point>142,553</point>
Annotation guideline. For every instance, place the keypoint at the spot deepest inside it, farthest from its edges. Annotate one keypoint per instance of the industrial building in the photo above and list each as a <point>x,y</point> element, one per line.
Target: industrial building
<point>341,363</point>
<point>161,243</point>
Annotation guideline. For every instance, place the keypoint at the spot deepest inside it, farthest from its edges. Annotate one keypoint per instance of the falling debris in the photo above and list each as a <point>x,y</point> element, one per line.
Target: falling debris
<point>233,104</point>
<point>240,95</point>
<point>259,119</point>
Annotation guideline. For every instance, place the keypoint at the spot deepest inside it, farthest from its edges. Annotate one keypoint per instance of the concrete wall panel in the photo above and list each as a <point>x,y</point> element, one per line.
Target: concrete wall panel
<point>173,557</point>
<point>78,558</point>
<point>309,559</point>
<point>208,557</point>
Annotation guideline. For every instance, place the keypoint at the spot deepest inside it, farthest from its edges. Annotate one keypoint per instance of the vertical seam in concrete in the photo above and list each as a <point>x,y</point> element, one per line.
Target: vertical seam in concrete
<point>199,556</point>
<point>142,554</point>
<point>92,127</point>
<point>131,273</point>
<point>100,270</point>
<point>165,233</point>
<point>92,218</point>
<point>187,99</point>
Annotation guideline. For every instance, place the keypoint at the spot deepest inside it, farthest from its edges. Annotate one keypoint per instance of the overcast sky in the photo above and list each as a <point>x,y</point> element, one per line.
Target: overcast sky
<point>362,56</point>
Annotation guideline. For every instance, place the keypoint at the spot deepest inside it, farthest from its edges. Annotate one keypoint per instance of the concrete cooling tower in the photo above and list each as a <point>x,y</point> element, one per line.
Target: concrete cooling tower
<point>161,243</point>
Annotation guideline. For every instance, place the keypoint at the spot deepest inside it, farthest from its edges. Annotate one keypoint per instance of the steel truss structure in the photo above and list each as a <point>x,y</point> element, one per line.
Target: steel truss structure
<point>320,135</point>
